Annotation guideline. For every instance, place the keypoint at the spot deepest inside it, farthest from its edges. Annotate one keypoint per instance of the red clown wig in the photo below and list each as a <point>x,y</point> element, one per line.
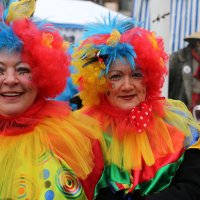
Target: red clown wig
<point>45,51</point>
<point>112,39</point>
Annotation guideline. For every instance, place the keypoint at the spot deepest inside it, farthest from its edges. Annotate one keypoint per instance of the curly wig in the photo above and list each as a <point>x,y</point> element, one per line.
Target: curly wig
<point>112,39</point>
<point>42,47</point>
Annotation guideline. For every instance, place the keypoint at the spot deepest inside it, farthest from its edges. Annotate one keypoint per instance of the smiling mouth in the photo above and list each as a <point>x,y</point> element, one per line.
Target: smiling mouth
<point>127,97</point>
<point>11,94</point>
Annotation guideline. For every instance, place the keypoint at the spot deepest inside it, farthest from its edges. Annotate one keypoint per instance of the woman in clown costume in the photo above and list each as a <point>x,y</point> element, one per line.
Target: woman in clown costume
<point>152,143</point>
<point>47,152</point>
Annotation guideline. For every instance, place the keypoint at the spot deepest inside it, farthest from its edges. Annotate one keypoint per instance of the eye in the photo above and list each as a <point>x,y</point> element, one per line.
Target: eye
<point>1,70</point>
<point>23,69</point>
<point>137,74</point>
<point>115,77</point>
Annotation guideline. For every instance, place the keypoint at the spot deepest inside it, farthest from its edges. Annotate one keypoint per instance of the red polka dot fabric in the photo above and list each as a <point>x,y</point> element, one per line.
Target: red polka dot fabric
<point>140,116</point>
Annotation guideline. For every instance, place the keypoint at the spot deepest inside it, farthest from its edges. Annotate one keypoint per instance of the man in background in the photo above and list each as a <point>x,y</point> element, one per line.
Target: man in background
<point>184,72</point>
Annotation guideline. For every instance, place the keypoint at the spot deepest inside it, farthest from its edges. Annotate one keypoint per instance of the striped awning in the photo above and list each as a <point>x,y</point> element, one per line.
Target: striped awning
<point>184,19</point>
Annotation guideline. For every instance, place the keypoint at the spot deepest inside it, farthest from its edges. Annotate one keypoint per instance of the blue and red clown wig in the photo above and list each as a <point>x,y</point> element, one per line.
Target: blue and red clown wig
<point>42,47</point>
<point>112,39</point>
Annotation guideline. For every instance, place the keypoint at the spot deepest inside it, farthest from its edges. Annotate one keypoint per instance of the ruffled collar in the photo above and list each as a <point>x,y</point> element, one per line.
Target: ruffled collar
<point>35,114</point>
<point>135,120</point>
<point>156,139</point>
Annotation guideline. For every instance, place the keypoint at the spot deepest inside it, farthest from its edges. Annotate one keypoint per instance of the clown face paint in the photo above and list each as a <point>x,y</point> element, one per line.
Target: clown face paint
<point>17,91</point>
<point>127,89</point>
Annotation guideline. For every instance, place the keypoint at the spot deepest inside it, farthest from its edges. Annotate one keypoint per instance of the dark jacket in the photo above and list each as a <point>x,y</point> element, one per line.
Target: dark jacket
<point>181,76</point>
<point>185,185</point>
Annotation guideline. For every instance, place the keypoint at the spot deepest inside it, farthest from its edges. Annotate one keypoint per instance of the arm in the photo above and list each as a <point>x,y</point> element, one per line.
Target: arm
<point>174,73</point>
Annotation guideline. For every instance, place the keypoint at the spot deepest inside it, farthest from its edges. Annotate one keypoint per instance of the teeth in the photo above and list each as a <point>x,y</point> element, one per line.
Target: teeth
<point>11,94</point>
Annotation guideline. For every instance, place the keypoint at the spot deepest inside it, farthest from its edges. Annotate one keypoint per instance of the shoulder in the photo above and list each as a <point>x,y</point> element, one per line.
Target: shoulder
<point>177,106</point>
<point>178,115</point>
<point>181,54</point>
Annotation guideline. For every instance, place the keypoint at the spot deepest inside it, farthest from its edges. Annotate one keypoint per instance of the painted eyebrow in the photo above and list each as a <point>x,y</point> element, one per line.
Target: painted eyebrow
<point>2,63</point>
<point>19,62</point>
<point>115,71</point>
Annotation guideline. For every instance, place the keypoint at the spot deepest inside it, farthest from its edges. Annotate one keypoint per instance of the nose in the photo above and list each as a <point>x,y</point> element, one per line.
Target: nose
<point>11,78</point>
<point>128,83</point>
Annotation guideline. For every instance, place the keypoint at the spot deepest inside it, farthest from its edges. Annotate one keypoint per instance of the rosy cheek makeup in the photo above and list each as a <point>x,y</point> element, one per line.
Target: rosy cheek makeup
<point>26,81</point>
<point>26,78</point>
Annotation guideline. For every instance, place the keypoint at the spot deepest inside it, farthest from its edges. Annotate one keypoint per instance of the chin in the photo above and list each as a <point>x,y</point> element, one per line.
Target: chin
<point>129,106</point>
<point>125,108</point>
<point>12,113</point>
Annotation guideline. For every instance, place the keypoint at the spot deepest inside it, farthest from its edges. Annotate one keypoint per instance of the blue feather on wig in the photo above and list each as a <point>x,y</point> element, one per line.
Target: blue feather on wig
<point>121,51</point>
<point>8,40</point>
<point>109,53</point>
<point>108,24</point>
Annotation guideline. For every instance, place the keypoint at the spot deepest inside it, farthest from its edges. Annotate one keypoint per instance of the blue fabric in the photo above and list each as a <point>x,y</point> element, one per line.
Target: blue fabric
<point>69,91</point>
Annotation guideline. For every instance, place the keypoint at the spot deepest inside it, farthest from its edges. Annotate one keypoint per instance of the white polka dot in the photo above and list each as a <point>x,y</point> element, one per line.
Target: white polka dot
<point>138,123</point>
<point>149,109</point>
<point>133,117</point>
<point>146,113</point>
<point>145,125</point>
<point>141,117</point>
<point>139,130</point>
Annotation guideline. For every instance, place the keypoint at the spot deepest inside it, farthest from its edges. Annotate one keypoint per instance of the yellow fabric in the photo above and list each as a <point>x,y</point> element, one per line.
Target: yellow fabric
<point>55,146</point>
<point>173,107</point>
<point>91,84</point>
<point>196,145</point>
<point>163,136</point>
<point>155,142</point>
<point>114,38</point>
<point>20,9</point>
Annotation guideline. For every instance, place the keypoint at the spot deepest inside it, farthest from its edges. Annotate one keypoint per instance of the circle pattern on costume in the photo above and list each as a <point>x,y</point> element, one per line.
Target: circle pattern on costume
<point>44,157</point>
<point>68,183</point>
<point>24,188</point>
<point>45,174</point>
<point>49,195</point>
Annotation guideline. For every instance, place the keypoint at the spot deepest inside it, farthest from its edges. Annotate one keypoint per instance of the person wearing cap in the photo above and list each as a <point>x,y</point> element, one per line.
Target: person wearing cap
<point>184,72</point>
<point>152,150</point>
<point>47,152</point>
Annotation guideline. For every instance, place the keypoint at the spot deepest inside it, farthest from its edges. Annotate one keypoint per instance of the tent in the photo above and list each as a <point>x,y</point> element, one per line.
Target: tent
<point>70,16</point>
<point>71,13</point>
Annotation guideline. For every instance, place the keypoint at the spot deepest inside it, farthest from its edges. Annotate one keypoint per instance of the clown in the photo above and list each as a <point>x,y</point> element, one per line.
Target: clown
<point>150,140</point>
<point>47,152</point>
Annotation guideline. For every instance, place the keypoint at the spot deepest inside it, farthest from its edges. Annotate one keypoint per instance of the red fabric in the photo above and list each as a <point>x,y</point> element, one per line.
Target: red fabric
<point>90,182</point>
<point>197,58</point>
<point>124,120</point>
<point>195,96</point>
<point>140,116</point>
<point>26,121</point>
<point>148,172</point>
<point>195,99</point>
